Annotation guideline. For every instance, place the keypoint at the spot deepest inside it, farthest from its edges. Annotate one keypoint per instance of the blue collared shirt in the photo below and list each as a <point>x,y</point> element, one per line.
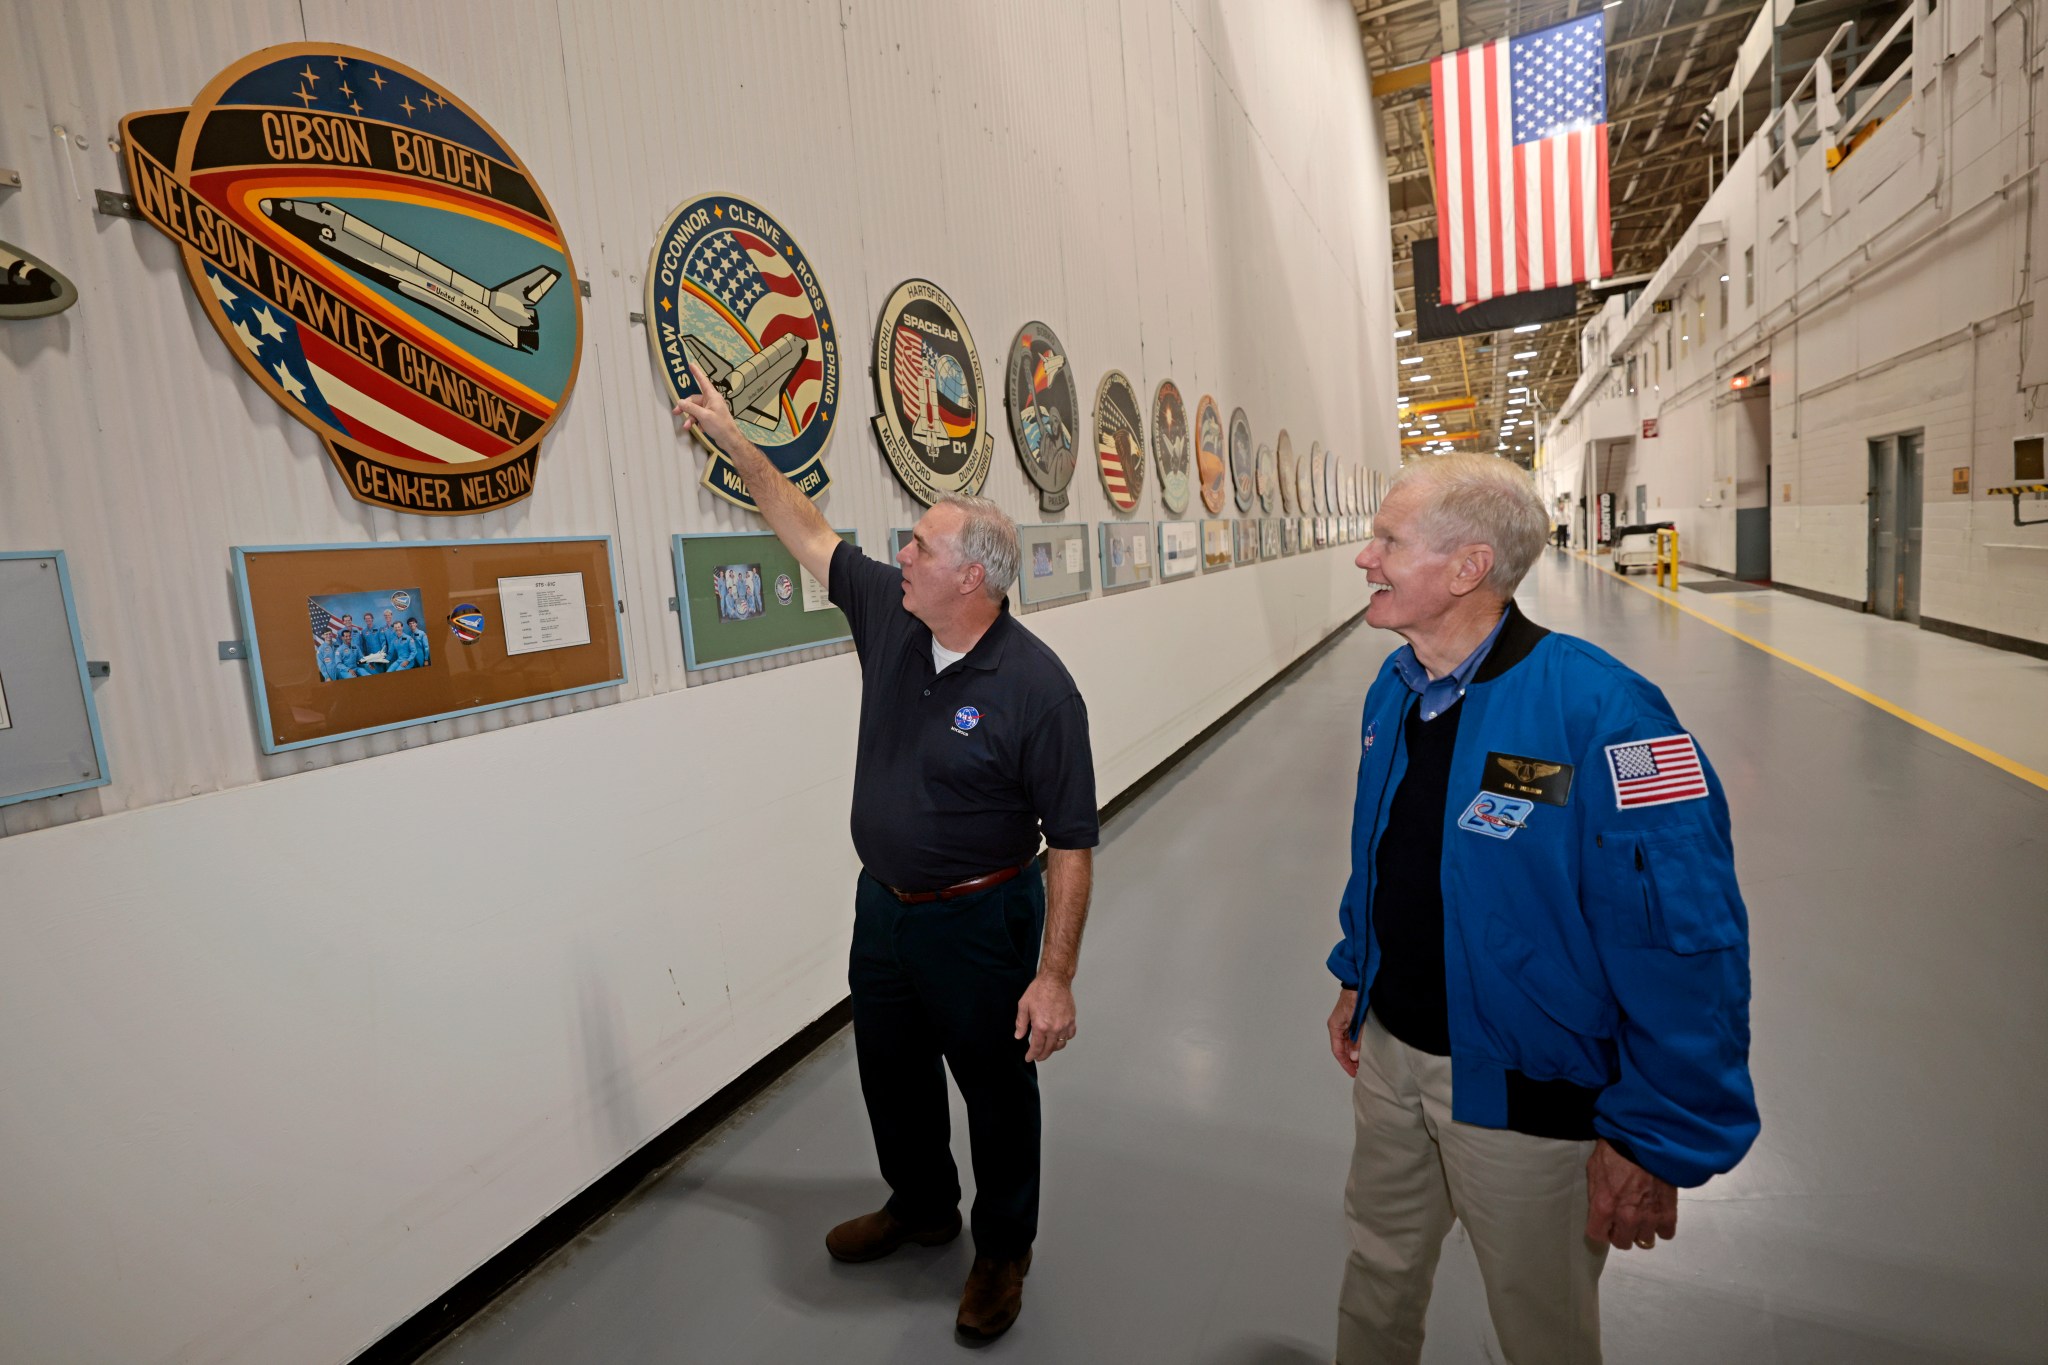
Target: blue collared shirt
<point>1438,693</point>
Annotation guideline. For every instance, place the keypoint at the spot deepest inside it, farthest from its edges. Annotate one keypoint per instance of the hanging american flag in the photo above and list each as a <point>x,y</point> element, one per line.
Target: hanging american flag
<point>1521,162</point>
<point>1652,772</point>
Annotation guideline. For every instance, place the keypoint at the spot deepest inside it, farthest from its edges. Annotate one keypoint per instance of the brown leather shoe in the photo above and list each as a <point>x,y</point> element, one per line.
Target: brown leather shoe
<point>993,1298</point>
<point>872,1236</point>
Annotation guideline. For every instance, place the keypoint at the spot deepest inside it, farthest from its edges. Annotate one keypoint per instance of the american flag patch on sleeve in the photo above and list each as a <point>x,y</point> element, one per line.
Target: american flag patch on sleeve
<point>1655,772</point>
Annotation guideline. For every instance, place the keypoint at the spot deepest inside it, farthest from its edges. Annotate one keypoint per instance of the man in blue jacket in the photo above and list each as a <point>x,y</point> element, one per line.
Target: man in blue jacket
<point>1544,970</point>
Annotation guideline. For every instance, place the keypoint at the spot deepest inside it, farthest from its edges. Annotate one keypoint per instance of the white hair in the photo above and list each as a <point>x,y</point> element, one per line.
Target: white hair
<point>1481,499</point>
<point>987,537</point>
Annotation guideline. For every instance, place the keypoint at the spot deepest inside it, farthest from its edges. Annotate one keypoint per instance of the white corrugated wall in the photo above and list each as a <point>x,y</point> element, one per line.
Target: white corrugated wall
<point>254,1118</point>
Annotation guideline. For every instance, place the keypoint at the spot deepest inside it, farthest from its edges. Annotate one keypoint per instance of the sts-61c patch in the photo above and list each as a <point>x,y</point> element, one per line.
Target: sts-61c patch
<point>1170,446</point>
<point>1045,412</point>
<point>1119,440</point>
<point>928,383</point>
<point>378,259</point>
<point>730,291</point>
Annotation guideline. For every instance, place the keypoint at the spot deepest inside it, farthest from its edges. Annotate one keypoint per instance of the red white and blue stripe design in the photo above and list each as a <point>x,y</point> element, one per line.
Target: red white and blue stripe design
<point>1656,772</point>
<point>1521,162</point>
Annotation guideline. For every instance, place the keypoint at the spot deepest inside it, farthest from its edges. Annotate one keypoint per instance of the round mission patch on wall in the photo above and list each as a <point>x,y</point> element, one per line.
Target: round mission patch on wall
<point>928,385</point>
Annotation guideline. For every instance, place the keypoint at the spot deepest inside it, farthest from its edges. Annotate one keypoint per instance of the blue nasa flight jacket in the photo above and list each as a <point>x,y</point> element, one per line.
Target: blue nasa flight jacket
<point>1602,946</point>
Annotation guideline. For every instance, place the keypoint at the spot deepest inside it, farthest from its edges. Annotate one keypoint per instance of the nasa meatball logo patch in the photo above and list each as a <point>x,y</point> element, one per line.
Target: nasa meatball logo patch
<point>379,260</point>
<point>965,719</point>
<point>730,291</point>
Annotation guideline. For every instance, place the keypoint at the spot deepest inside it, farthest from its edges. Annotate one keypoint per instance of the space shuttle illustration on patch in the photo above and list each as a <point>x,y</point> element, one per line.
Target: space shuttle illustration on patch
<point>752,388</point>
<point>504,314</point>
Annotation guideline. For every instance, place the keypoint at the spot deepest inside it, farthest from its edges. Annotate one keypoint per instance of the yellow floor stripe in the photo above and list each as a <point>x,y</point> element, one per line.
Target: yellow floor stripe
<point>1968,746</point>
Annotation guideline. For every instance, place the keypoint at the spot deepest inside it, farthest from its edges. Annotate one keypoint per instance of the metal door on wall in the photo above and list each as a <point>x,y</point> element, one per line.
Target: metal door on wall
<point>1895,465</point>
<point>1642,504</point>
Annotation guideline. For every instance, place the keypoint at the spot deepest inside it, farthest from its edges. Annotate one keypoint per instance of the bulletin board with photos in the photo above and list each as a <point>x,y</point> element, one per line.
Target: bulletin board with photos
<point>1054,563</point>
<point>1180,549</point>
<point>352,639</point>
<point>1217,544</point>
<point>743,595</point>
<point>50,741</point>
<point>1126,551</point>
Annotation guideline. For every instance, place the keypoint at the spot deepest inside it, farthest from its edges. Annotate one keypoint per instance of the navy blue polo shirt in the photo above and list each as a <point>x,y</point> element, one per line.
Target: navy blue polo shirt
<point>958,773</point>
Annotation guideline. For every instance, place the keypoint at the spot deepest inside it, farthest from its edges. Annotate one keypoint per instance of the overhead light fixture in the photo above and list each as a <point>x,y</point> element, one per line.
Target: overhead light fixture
<point>1411,360</point>
<point>1530,327</point>
<point>1740,381</point>
<point>1724,279</point>
<point>1418,378</point>
<point>1526,355</point>
<point>1516,374</point>
<point>1404,332</point>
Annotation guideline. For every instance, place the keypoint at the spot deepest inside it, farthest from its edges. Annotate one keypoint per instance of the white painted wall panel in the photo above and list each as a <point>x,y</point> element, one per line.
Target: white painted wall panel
<point>256,1115</point>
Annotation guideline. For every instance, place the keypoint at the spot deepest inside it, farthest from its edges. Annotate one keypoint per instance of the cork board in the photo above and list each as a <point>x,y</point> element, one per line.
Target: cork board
<point>351,639</point>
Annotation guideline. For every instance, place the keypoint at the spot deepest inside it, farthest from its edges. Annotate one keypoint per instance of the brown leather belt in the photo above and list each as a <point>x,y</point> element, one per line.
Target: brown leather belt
<point>957,889</point>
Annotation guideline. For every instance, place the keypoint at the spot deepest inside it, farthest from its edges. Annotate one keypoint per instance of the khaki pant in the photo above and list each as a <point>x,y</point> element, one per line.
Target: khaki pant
<point>1522,1200</point>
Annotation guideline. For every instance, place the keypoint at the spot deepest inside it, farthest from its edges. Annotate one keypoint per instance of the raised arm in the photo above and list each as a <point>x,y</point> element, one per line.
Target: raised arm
<point>796,521</point>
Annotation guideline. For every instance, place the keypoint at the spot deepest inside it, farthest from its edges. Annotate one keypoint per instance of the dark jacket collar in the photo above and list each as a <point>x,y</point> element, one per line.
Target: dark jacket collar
<point>1518,635</point>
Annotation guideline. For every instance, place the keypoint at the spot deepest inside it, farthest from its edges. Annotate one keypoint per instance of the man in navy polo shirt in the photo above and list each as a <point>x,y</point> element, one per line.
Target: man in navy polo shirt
<point>973,743</point>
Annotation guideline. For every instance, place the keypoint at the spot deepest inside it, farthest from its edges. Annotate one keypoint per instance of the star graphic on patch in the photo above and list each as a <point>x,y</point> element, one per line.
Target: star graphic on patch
<point>289,381</point>
<point>242,331</point>
<point>271,330</point>
<point>220,291</point>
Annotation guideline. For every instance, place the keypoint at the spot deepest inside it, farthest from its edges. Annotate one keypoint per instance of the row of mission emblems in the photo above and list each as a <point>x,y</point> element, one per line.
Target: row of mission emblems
<point>382,263</point>
<point>934,403</point>
<point>378,260</point>
<point>730,292</point>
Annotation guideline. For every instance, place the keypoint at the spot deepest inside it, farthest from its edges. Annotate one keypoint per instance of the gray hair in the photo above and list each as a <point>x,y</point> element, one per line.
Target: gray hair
<point>987,537</point>
<point>1481,499</point>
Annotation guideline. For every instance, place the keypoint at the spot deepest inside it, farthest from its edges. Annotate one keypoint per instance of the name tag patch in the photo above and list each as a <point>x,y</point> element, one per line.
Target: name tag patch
<point>1496,816</point>
<point>1537,779</point>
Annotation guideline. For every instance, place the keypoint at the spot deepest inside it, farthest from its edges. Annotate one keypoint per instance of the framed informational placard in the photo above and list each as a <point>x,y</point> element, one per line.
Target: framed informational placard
<point>1055,563</point>
<point>1180,549</point>
<point>1269,538</point>
<point>744,596</point>
<point>1304,534</point>
<point>49,728</point>
<point>1126,548</point>
<point>898,538</point>
<point>352,639</point>
<point>1245,533</point>
<point>1216,544</point>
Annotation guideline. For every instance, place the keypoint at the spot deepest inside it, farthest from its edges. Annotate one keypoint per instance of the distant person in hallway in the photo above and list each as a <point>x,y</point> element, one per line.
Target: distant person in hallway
<point>973,744</point>
<point>1543,979</point>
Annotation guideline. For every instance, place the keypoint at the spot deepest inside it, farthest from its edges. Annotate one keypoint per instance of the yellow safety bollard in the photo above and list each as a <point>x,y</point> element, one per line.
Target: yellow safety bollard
<point>1667,555</point>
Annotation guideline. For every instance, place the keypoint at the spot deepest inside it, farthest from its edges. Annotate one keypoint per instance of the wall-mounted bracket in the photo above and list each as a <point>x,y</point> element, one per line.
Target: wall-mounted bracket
<point>115,204</point>
<point>234,649</point>
<point>2015,492</point>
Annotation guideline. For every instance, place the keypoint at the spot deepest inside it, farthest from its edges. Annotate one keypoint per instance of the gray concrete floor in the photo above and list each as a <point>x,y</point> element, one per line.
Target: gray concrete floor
<point>1197,1132</point>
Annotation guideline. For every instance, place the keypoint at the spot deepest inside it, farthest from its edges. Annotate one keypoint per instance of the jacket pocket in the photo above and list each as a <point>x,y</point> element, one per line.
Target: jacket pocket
<point>1552,986</point>
<point>1689,887</point>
